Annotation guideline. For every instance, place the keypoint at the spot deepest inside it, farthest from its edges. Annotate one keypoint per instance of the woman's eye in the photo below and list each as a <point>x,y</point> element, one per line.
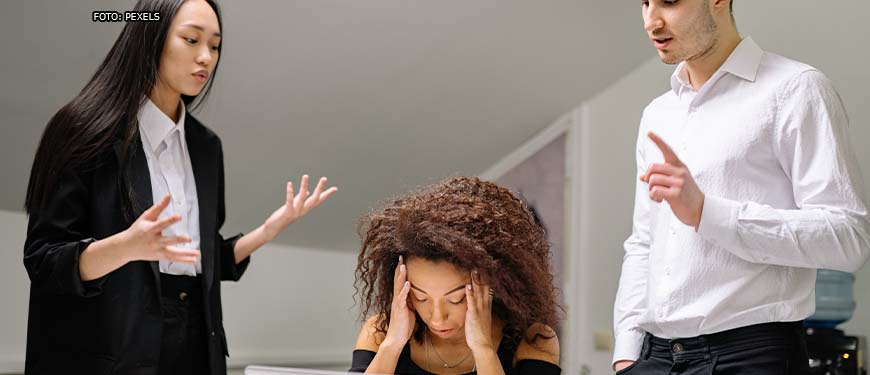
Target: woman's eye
<point>457,302</point>
<point>190,40</point>
<point>419,300</point>
<point>215,48</point>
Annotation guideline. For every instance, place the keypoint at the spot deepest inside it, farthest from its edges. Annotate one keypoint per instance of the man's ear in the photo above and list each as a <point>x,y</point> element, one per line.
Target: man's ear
<point>721,7</point>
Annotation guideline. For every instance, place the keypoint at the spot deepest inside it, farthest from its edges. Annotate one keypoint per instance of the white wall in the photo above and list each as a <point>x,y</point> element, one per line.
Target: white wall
<point>292,307</point>
<point>609,128</point>
<point>14,289</point>
<point>830,36</point>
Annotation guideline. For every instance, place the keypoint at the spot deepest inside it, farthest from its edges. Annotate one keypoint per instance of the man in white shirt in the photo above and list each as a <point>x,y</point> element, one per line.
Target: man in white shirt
<point>746,186</point>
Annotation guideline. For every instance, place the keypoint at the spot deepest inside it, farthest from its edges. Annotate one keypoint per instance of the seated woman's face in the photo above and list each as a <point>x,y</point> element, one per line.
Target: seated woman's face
<point>438,296</point>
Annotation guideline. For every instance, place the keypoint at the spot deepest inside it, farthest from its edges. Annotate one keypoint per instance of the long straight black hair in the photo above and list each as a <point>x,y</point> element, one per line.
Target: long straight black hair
<point>104,112</point>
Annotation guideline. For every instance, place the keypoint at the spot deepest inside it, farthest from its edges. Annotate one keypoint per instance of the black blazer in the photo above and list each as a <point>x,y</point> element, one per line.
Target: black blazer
<point>112,325</point>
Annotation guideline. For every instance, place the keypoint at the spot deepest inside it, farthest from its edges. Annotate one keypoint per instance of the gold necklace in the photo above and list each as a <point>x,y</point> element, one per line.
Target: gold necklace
<point>446,365</point>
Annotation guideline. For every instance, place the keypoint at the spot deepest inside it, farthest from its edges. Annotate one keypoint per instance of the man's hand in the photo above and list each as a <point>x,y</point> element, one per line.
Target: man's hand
<point>671,181</point>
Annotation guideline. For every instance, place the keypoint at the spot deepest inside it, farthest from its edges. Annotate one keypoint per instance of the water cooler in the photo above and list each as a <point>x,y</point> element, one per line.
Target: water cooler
<point>831,351</point>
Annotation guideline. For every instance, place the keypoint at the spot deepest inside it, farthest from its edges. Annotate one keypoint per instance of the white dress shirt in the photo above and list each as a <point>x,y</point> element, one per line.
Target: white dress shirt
<point>765,140</point>
<point>171,173</point>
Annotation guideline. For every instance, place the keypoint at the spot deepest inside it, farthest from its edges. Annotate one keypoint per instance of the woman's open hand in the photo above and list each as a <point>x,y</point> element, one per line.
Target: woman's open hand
<point>296,206</point>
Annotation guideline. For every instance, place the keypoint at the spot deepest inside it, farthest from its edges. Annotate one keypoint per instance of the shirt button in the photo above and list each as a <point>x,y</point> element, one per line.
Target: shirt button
<point>182,296</point>
<point>678,348</point>
<point>668,271</point>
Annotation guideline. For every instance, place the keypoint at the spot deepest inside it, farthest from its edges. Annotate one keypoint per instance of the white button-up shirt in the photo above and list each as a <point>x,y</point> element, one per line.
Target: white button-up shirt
<point>171,173</point>
<point>765,140</point>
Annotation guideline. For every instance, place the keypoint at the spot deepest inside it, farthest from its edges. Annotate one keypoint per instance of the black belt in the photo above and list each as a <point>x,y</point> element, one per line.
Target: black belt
<point>783,332</point>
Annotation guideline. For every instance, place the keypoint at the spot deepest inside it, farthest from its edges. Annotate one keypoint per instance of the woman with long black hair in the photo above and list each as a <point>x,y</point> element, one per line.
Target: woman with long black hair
<point>125,202</point>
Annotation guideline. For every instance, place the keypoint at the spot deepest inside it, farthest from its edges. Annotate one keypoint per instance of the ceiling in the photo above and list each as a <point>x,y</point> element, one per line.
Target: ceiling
<point>378,95</point>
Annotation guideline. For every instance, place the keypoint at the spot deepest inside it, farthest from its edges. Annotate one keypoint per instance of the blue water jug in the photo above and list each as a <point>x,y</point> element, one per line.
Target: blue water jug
<point>835,299</point>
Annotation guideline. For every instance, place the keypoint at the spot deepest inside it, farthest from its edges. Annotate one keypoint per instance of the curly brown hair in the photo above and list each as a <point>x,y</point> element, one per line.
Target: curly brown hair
<point>474,225</point>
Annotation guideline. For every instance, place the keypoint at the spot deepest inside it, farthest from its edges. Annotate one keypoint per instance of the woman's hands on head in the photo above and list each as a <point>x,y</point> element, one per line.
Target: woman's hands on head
<point>402,316</point>
<point>478,316</point>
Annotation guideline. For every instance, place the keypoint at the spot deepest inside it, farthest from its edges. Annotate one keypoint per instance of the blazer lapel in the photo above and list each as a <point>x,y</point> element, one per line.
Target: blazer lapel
<point>140,183</point>
<point>202,160</point>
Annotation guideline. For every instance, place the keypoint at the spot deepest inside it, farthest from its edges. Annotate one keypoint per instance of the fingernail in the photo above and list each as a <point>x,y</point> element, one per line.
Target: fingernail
<point>402,268</point>
<point>401,259</point>
<point>407,283</point>
<point>468,286</point>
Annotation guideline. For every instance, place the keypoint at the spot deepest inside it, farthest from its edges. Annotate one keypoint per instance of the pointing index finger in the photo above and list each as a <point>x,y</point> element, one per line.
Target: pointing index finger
<point>667,152</point>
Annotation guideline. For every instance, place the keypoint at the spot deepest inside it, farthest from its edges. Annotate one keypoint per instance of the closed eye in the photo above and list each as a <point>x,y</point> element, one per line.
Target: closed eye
<point>457,302</point>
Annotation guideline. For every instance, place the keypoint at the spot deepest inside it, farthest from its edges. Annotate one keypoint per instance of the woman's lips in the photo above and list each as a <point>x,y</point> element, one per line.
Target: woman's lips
<point>201,77</point>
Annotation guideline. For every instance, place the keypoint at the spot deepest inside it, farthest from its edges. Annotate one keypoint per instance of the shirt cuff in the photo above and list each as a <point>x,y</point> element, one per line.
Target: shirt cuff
<point>719,220</point>
<point>628,345</point>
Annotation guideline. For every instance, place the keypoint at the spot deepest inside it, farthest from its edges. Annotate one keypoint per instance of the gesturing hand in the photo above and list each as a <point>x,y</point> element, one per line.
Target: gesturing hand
<point>478,317</point>
<point>671,181</point>
<point>296,206</point>
<point>402,316</point>
<point>144,239</point>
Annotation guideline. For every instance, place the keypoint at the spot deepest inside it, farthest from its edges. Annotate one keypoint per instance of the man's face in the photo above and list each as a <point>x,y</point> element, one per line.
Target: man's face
<point>680,30</point>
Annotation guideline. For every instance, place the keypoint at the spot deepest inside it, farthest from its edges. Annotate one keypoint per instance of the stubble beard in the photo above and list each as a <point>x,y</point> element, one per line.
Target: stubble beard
<point>703,39</point>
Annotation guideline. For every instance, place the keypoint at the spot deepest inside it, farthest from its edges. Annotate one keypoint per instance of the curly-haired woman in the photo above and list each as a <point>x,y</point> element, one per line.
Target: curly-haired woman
<point>456,280</point>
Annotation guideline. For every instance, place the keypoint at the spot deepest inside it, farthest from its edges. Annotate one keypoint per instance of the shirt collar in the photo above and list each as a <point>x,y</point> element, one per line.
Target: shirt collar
<point>156,125</point>
<point>743,62</point>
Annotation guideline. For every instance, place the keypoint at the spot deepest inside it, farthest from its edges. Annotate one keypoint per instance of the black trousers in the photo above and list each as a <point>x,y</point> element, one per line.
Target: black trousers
<point>183,347</point>
<point>763,349</point>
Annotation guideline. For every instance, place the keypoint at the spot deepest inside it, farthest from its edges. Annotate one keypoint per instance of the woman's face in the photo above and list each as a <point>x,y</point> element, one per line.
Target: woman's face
<point>438,296</point>
<point>190,52</point>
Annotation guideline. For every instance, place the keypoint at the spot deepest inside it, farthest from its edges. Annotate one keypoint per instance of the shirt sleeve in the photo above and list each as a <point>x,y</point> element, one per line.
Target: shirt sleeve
<point>631,298</point>
<point>361,360</point>
<point>830,228</point>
